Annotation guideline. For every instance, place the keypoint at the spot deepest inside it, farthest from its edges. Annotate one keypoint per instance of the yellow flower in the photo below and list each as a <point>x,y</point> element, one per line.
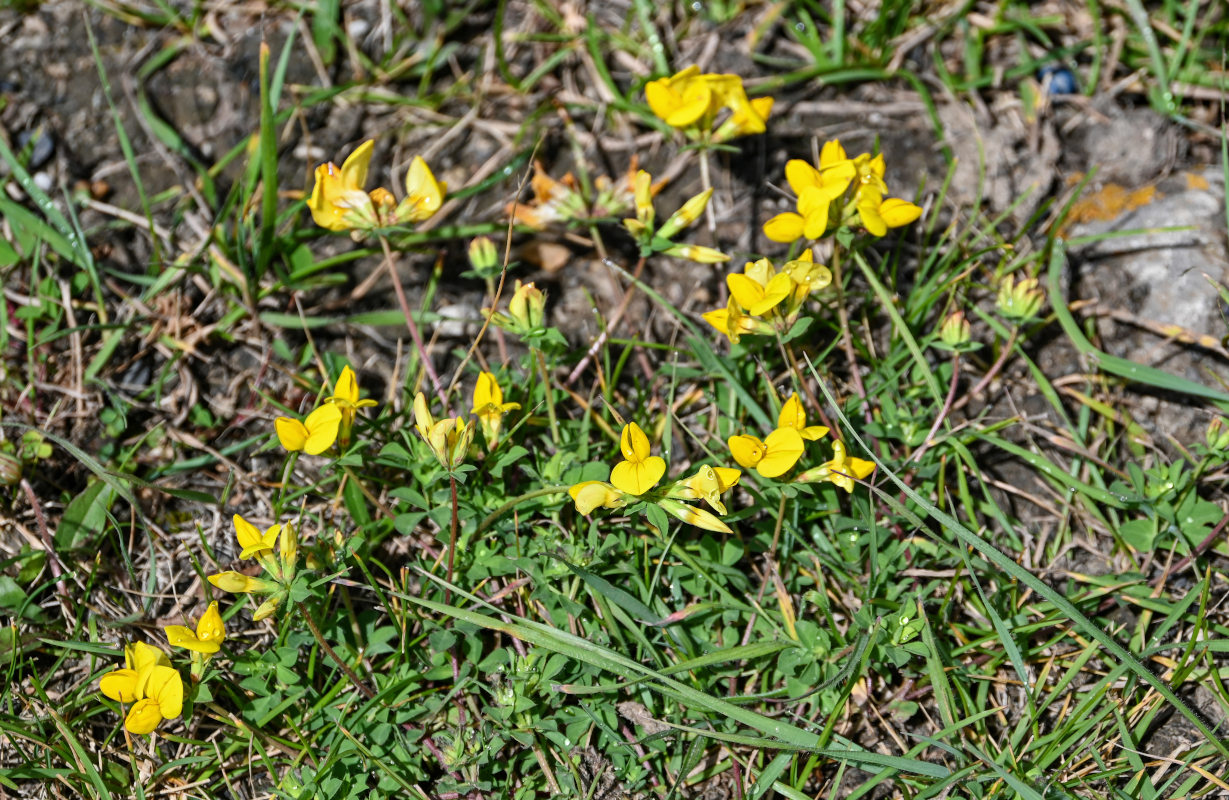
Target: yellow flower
<point>688,213</point>
<point>148,682</point>
<point>759,288</point>
<point>793,415</point>
<point>253,542</point>
<point>489,407</point>
<point>638,471</point>
<point>696,253</point>
<point>815,189</point>
<point>772,457</point>
<point>345,397</point>
<point>589,495</point>
<point>313,435</point>
<point>684,99</point>
<point>877,214</point>
<point>708,484</point>
<point>338,199</point>
<point>526,310</point>
<point>841,470</point>
<point>208,636</point>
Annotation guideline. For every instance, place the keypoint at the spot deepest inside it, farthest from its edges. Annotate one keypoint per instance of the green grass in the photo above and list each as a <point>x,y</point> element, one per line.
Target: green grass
<point>1007,607</point>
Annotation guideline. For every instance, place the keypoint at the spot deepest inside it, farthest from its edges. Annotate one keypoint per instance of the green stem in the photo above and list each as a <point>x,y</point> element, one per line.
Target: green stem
<point>549,394</point>
<point>452,537</point>
<point>355,679</point>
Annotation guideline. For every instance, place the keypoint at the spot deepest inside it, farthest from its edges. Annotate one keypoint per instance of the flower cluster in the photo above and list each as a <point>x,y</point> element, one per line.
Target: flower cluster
<point>691,101</point>
<point>280,566</point>
<point>842,191</point>
<point>450,438</point>
<point>634,478</point>
<point>763,300</point>
<point>658,239</point>
<point>339,202</point>
<point>778,452</point>
<point>326,424</point>
<point>149,682</point>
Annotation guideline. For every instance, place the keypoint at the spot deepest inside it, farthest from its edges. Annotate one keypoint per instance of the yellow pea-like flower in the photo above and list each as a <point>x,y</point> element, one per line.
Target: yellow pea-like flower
<point>208,636</point>
<point>638,471</point>
<point>253,542</point>
<point>313,435</point>
<point>772,457</point>
<point>589,495</point>
<point>163,700</point>
<point>490,408</point>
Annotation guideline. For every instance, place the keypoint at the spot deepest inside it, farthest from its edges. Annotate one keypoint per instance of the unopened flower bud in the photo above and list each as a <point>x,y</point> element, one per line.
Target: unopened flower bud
<point>483,256</point>
<point>1217,434</point>
<point>1019,301</point>
<point>689,213</point>
<point>527,308</point>
<point>955,331</point>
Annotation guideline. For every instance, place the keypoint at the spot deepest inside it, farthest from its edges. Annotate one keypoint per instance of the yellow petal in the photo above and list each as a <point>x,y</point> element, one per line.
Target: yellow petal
<point>166,687</point>
<point>784,228</point>
<point>693,105</point>
<point>486,392</point>
<point>784,447</point>
<point>120,685</point>
<point>423,194</point>
<point>324,211</point>
<point>661,98</point>
<point>747,450</point>
<point>210,628</point>
<point>831,154</point>
<point>694,516</point>
<point>792,415</point>
<point>321,425</point>
<point>813,205</point>
<point>236,582</point>
<point>345,391</point>
<point>143,717</point>
<point>633,444</point>
<point>141,656</point>
<point>745,290</point>
<point>291,433</point>
<point>801,176</point>
<point>354,168</point>
<point>779,288</point>
<point>422,416</point>
<point>638,477</point>
<point>179,636</point>
<point>897,212</point>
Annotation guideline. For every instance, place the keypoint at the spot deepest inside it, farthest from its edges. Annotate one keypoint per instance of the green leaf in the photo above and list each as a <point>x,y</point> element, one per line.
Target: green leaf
<point>85,516</point>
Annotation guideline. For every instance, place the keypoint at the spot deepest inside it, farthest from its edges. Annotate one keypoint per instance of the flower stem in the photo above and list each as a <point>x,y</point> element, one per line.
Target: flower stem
<point>549,393</point>
<point>413,326</point>
<point>846,335</point>
<point>355,679</point>
<point>452,537</point>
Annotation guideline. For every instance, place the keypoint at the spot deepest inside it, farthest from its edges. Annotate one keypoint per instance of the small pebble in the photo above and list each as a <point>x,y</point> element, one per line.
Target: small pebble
<point>43,181</point>
<point>1062,80</point>
<point>357,28</point>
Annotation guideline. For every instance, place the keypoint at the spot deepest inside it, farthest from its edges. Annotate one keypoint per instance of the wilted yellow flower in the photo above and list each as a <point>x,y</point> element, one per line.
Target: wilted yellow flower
<point>449,438</point>
<point>339,202</point>
<point>638,471</point>
<point>693,516</point>
<point>489,407</point>
<point>208,636</point>
<point>772,457</point>
<point>708,484</point>
<point>841,470</point>
<point>313,435</point>
<point>238,583</point>
<point>589,495</point>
